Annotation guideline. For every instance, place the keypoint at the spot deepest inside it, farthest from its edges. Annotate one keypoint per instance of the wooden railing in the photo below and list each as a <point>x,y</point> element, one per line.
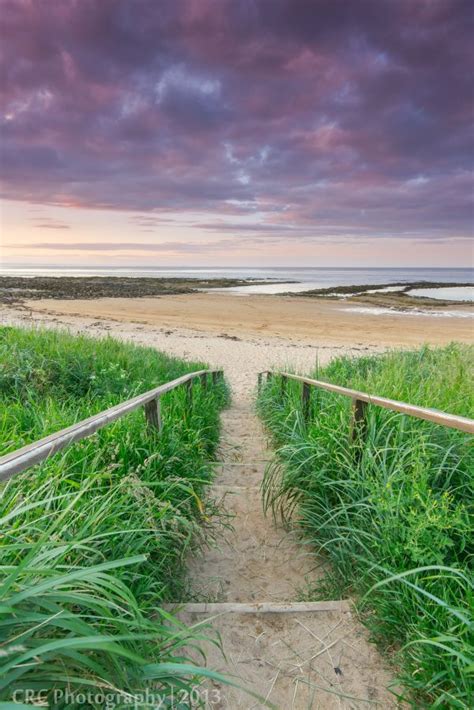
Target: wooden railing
<point>38,451</point>
<point>360,400</point>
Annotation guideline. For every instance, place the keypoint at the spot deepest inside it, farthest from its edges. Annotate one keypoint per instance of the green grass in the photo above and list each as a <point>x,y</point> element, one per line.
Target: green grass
<point>93,539</point>
<point>394,513</point>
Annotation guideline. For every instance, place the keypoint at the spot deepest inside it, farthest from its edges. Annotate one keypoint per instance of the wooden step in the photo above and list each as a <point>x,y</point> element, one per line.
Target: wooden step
<point>259,607</point>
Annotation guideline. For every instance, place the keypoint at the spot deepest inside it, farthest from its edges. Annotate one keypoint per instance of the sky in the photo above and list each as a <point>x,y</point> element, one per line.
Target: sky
<point>236,132</point>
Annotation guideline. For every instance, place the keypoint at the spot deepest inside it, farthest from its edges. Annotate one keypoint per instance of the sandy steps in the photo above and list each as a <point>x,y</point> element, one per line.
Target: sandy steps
<point>294,656</point>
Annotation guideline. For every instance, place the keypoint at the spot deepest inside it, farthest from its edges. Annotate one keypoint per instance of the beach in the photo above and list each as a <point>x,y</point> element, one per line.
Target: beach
<point>247,334</point>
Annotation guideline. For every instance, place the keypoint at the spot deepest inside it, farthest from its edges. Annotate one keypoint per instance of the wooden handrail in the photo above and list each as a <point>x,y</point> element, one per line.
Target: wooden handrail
<point>19,460</point>
<point>359,399</point>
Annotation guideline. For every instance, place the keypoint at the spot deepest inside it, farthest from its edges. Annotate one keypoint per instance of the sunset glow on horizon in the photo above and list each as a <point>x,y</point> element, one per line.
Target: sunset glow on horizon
<point>236,132</point>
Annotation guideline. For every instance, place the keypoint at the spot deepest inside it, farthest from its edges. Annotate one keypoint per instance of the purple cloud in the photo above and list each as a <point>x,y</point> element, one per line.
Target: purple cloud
<point>44,222</point>
<point>51,225</point>
<point>165,247</point>
<point>321,117</point>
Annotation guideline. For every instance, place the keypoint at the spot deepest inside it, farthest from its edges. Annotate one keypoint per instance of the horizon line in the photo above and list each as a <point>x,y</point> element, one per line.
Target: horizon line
<point>228,266</point>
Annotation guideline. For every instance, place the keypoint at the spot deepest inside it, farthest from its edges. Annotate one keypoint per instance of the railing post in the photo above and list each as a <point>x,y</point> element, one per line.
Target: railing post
<point>283,384</point>
<point>189,393</point>
<point>305,400</point>
<point>153,414</point>
<point>269,377</point>
<point>215,376</point>
<point>259,382</point>
<point>204,383</point>
<point>358,425</point>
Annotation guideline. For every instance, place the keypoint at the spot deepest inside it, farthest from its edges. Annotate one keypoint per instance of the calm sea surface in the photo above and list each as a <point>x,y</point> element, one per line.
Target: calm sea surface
<point>305,278</point>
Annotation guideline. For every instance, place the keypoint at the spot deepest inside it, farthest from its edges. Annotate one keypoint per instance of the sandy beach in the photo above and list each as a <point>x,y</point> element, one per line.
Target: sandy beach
<point>247,334</point>
<point>290,318</point>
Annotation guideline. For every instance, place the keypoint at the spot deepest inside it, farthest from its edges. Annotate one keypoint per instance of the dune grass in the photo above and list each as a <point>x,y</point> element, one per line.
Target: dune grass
<point>393,514</point>
<point>93,539</point>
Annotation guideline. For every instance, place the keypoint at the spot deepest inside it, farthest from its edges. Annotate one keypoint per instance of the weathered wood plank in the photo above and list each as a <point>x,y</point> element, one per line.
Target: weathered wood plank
<point>153,414</point>
<point>358,426</point>
<point>259,607</point>
<point>306,400</point>
<point>435,416</point>
<point>189,394</point>
<point>38,451</point>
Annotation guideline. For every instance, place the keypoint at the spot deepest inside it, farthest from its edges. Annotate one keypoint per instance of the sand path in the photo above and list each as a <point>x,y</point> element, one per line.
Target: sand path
<point>295,659</point>
<point>256,561</point>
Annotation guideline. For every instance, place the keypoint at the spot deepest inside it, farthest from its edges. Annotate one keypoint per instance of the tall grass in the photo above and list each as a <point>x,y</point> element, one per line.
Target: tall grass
<point>394,513</point>
<point>94,538</point>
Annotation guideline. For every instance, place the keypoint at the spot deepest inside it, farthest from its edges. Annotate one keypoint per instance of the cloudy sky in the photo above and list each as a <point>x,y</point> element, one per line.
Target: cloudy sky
<point>234,132</point>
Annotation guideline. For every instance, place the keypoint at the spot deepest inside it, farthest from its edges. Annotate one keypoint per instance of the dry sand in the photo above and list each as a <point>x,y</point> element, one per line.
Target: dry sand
<point>298,320</point>
<point>312,660</point>
<point>246,334</point>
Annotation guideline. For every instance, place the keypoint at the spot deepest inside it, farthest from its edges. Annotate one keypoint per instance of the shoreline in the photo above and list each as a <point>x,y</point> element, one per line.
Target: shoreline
<point>396,295</point>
